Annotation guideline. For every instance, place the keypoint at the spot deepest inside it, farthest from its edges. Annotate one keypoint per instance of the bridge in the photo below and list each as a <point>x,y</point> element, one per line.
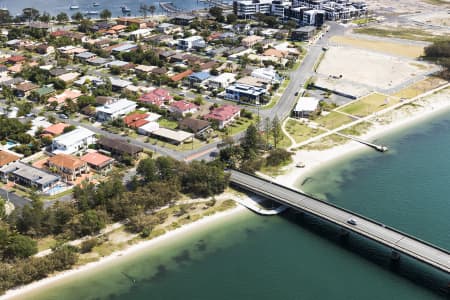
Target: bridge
<point>398,241</point>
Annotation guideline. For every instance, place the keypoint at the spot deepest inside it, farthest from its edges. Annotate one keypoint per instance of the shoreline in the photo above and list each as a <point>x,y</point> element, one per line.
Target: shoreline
<point>316,159</point>
<point>132,249</point>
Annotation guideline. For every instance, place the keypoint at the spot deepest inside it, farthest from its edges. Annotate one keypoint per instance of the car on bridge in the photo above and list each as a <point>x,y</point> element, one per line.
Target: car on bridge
<point>352,221</point>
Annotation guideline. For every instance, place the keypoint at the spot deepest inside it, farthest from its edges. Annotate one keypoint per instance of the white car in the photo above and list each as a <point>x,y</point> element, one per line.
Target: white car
<point>351,221</point>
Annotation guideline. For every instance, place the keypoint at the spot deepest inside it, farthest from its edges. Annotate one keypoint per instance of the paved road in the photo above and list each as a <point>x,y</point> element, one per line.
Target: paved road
<point>390,237</point>
<point>18,201</point>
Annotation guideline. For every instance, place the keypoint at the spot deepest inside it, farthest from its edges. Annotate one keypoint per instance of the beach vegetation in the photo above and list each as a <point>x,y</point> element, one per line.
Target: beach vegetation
<point>439,52</point>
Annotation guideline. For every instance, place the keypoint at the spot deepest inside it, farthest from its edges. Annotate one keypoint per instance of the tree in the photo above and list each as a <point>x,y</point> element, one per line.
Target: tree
<point>45,17</point>
<point>439,52</point>
<point>2,208</point>
<point>143,8</point>
<point>217,13</point>
<point>92,222</point>
<point>20,246</point>
<point>62,17</point>
<point>231,18</point>
<point>30,14</point>
<point>78,17</point>
<point>148,170</point>
<point>276,131</point>
<point>152,9</point>
<point>105,14</point>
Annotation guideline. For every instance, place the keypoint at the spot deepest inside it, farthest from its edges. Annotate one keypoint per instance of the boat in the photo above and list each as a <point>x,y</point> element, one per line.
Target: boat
<point>91,12</point>
<point>74,6</point>
<point>125,9</point>
<point>300,165</point>
<point>95,4</point>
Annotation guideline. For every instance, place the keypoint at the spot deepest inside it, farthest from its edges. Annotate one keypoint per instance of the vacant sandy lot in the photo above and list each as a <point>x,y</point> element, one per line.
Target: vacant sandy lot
<point>376,70</point>
<point>399,49</point>
<point>403,6</point>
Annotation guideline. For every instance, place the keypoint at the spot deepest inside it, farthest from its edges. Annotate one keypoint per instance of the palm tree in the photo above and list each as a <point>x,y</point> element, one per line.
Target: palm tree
<point>152,9</point>
<point>143,9</point>
<point>105,14</point>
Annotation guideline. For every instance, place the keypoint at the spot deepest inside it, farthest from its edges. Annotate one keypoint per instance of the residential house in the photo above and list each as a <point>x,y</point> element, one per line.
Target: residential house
<point>44,92</point>
<point>85,56</point>
<point>7,157</point>
<point>157,97</point>
<point>182,75</point>
<point>198,79</point>
<point>245,93</point>
<point>139,34</point>
<point>130,21</point>
<point>73,142</point>
<point>250,41</point>
<point>147,128</point>
<point>67,166</point>
<point>165,28</point>
<point>223,115</point>
<point>119,84</point>
<point>127,47</point>
<point>30,176</point>
<point>191,42</point>
<point>194,125</point>
<point>56,129</point>
<point>98,162</point>
<point>24,89</point>
<point>303,33</point>
<point>115,110</point>
<point>221,81</point>
<point>183,19</point>
<point>119,147</point>
<point>306,106</point>
<point>67,94</point>
<point>182,108</point>
<point>267,74</point>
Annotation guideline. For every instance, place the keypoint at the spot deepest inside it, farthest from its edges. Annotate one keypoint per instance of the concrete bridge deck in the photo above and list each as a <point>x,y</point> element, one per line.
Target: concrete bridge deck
<point>390,237</point>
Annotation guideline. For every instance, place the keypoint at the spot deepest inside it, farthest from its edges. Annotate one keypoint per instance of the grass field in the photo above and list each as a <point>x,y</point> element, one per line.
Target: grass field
<point>301,132</point>
<point>411,51</point>
<point>327,142</point>
<point>168,123</point>
<point>401,33</point>
<point>333,120</point>
<point>369,104</point>
<point>358,129</point>
<point>419,88</point>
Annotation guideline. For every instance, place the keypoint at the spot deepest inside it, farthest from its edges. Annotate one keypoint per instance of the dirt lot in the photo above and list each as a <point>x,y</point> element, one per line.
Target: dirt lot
<point>398,49</point>
<point>379,71</point>
<point>405,6</point>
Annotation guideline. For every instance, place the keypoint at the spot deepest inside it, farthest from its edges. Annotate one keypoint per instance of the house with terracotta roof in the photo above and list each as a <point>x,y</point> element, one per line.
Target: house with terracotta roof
<point>182,75</point>
<point>24,89</point>
<point>67,166</point>
<point>98,162</point>
<point>157,97</point>
<point>7,157</point>
<point>56,129</point>
<point>182,108</point>
<point>136,120</point>
<point>67,94</point>
<point>16,59</point>
<point>223,115</point>
<point>251,40</point>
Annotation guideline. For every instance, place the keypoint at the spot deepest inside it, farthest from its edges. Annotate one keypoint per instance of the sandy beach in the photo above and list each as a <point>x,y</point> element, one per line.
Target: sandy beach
<point>18,293</point>
<point>398,119</point>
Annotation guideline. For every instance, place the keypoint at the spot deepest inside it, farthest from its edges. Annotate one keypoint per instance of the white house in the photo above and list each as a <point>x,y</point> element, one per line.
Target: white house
<point>115,110</point>
<point>148,128</point>
<point>194,41</point>
<point>306,106</point>
<point>73,141</point>
<point>140,34</point>
<point>221,81</point>
<point>268,74</point>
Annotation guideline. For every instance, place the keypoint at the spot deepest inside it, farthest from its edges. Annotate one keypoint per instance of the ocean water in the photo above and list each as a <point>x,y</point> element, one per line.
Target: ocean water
<point>54,7</point>
<point>295,256</point>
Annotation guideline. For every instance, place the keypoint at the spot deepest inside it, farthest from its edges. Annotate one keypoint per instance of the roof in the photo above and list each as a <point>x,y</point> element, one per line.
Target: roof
<point>134,117</point>
<point>223,113</point>
<point>124,48</point>
<point>26,86</point>
<point>86,55</point>
<point>16,58</point>
<point>66,161</point>
<point>201,76</point>
<point>194,124</point>
<point>75,135</point>
<point>181,75</point>
<point>119,82</point>
<point>97,159</point>
<point>118,27</point>
<point>45,90</point>
<point>174,135</point>
<point>183,105</point>
<point>67,94</point>
<point>307,104</point>
<point>56,129</point>
<point>116,106</point>
<point>31,173</point>
<point>7,157</point>
<point>119,145</point>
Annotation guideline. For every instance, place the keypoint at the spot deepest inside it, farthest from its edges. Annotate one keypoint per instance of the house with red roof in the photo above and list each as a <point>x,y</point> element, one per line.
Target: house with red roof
<point>16,59</point>
<point>223,115</point>
<point>182,75</point>
<point>157,97</point>
<point>182,108</point>
<point>56,129</point>
<point>135,120</point>
<point>98,162</point>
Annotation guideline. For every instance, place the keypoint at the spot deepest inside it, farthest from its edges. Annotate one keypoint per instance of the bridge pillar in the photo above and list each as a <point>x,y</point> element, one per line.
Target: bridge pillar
<point>395,256</point>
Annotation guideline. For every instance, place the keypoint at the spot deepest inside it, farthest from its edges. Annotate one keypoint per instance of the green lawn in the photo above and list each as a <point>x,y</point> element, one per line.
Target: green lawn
<point>401,33</point>
<point>327,142</point>
<point>333,120</point>
<point>171,124</point>
<point>301,132</point>
<point>183,147</point>
<point>368,105</point>
<point>358,129</point>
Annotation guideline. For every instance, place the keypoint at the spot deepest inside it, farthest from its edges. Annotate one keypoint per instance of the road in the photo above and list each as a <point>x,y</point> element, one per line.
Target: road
<point>390,237</point>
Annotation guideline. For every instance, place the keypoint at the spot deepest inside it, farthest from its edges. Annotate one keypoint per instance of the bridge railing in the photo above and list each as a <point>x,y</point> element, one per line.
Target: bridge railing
<point>347,211</point>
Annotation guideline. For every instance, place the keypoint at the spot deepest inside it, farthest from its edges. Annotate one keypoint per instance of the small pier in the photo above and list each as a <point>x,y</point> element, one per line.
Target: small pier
<point>380,148</point>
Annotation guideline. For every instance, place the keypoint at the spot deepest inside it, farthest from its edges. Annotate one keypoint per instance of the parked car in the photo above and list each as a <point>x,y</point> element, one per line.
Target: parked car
<point>63,116</point>
<point>351,221</point>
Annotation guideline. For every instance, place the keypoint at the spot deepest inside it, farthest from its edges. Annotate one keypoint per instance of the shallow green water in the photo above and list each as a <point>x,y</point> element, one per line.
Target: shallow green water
<point>299,257</point>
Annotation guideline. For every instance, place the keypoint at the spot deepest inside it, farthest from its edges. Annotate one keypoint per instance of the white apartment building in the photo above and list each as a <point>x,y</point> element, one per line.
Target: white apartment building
<point>74,141</point>
<point>115,110</point>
